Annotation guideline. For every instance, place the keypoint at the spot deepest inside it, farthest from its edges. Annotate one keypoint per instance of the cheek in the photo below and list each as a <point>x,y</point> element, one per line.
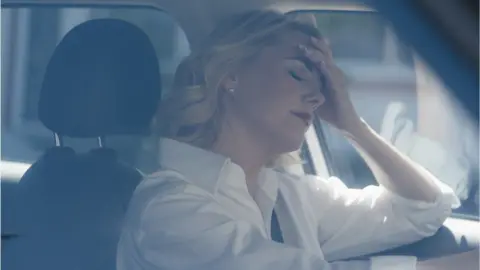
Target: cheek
<point>276,96</point>
<point>268,95</point>
<point>280,95</point>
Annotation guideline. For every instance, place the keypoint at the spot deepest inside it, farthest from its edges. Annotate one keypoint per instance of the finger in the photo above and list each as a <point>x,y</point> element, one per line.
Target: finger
<point>323,67</point>
<point>322,46</point>
<point>313,54</point>
<point>328,70</point>
<point>319,58</point>
<point>322,64</point>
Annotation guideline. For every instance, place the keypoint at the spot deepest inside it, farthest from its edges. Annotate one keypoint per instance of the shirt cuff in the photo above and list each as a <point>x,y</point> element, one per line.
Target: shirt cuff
<point>393,263</point>
<point>445,196</point>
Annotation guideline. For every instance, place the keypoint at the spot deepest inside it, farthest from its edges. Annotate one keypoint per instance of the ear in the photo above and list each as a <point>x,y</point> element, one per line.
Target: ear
<point>230,81</point>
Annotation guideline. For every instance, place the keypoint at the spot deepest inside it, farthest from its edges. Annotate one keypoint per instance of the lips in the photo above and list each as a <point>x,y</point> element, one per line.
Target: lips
<point>305,117</point>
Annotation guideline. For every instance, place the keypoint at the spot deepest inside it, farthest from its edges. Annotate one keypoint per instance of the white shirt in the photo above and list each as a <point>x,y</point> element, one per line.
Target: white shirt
<point>196,213</point>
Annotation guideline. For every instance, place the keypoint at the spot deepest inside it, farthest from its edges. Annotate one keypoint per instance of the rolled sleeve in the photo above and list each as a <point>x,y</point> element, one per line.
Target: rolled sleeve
<point>354,223</point>
<point>426,217</point>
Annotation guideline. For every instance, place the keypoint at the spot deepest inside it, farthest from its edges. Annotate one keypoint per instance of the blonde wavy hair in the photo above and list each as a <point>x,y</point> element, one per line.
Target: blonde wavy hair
<point>193,111</point>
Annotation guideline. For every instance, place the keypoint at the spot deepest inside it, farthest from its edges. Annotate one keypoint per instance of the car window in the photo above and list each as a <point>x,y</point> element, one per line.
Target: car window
<point>403,100</point>
<point>29,37</point>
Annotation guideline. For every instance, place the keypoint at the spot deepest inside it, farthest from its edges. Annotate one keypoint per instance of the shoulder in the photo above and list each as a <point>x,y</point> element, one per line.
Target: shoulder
<point>162,187</point>
<point>167,182</point>
<point>162,182</point>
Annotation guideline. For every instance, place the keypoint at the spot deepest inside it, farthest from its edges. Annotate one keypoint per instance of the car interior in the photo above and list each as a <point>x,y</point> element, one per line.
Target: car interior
<point>82,81</point>
<point>102,79</point>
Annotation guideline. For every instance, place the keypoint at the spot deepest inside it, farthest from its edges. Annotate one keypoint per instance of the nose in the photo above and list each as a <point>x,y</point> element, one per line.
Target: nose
<point>314,99</point>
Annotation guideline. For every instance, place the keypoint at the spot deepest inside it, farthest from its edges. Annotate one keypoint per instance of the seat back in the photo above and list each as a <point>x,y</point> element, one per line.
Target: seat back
<point>103,79</point>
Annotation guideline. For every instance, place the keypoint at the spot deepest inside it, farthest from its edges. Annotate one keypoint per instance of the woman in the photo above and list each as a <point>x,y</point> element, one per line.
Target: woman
<point>242,101</point>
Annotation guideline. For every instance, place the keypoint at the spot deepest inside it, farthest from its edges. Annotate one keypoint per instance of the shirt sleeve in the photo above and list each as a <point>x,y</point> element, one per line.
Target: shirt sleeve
<point>353,222</point>
<point>187,229</point>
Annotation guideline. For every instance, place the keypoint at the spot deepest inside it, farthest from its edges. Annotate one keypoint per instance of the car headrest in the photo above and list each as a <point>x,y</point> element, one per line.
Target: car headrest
<point>103,79</point>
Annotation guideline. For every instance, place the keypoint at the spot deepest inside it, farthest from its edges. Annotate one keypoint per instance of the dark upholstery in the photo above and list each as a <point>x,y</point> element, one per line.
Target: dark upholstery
<point>72,210</point>
<point>103,79</point>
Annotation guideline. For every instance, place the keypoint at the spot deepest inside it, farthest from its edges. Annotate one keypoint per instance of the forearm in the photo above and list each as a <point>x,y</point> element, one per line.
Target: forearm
<point>395,171</point>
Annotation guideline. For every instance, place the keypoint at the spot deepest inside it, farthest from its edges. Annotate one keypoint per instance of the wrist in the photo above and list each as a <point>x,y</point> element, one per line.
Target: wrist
<point>357,129</point>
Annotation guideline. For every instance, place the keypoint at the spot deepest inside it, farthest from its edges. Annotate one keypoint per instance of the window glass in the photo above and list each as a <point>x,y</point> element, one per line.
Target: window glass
<point>403,101</point>
<point>29,37</point>
<point>356,36</point>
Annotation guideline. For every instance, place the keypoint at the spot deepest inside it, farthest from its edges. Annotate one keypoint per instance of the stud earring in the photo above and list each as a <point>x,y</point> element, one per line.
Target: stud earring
<point>231,90</point>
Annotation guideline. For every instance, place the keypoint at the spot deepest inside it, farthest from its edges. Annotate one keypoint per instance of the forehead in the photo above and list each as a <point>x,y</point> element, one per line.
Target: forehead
<point>293,38</point>
<point>288,44</point>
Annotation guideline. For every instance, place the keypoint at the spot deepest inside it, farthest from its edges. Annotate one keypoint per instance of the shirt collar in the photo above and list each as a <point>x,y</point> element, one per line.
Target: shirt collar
<point>200,167</point>
<point>268,183</point>
<point>206,169</point>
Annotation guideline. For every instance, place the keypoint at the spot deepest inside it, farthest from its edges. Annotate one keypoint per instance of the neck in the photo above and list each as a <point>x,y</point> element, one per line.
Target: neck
<point>246,151</point>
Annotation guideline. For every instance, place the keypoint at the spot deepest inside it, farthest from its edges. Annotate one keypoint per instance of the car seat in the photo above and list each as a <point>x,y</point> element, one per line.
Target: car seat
<point>103,79</point>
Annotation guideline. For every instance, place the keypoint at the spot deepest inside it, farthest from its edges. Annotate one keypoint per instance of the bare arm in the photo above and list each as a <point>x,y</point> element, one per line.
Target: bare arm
<point>391,168</point>
<point>405,178</point>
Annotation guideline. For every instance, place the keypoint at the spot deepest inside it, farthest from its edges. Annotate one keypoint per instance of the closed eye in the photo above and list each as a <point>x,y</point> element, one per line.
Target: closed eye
<point>295,76</point>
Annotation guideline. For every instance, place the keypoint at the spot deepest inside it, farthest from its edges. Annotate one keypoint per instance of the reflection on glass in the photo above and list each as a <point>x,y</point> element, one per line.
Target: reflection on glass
<point>402,100</point>
<point>29,37</point>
